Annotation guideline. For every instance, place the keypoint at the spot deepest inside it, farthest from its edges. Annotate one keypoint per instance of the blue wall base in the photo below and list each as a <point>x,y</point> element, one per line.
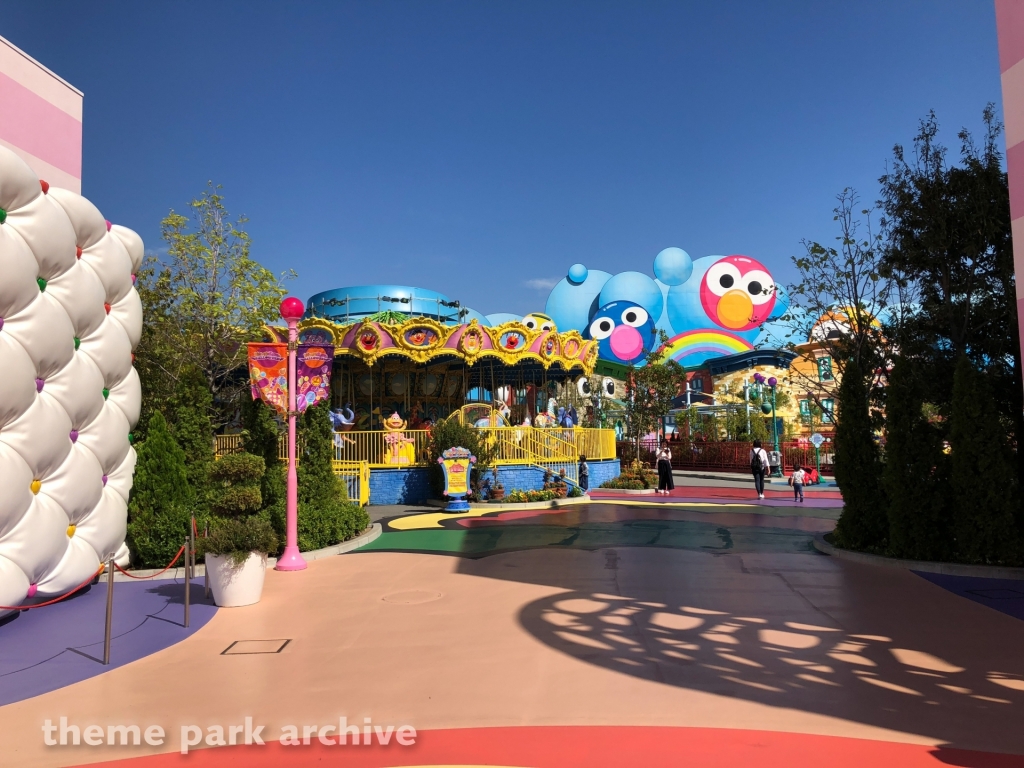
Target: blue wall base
<point>412,485</point>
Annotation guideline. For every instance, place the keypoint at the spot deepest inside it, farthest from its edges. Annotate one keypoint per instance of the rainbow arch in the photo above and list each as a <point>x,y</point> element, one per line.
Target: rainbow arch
<point>694,347</point>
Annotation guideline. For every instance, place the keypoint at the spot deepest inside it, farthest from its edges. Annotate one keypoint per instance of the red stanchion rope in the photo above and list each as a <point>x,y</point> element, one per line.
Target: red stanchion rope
<point>152,576</point>
<point>56,599</point>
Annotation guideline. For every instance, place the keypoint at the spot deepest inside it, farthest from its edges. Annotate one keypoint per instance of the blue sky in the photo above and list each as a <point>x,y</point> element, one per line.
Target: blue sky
<point>481,148</point>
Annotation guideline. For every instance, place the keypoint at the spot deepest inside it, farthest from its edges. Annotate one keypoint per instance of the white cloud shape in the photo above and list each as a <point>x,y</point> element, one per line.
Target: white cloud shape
<point>69,319</point>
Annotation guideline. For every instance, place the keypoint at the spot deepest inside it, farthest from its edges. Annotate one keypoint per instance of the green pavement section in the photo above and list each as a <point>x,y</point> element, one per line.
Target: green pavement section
<point>704,537</point>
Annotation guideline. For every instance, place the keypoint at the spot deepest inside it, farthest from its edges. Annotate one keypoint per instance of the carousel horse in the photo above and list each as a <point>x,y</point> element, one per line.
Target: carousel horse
<point>343,420</point>
<point>548,418</point>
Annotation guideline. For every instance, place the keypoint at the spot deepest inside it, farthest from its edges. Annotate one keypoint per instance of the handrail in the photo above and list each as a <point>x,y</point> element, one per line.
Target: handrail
<point>410,447</point>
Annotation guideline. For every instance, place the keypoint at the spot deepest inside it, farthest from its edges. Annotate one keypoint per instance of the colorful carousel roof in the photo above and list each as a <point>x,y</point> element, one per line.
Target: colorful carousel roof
<point>423,340</point>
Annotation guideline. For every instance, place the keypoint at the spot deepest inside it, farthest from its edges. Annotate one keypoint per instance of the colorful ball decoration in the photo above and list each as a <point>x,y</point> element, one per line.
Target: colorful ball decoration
<point>577,274</point>
<point>292,308</point>
<point>571,304</point>
<point>673,266</point>
<point>635,287</point>
<point>60,263</point>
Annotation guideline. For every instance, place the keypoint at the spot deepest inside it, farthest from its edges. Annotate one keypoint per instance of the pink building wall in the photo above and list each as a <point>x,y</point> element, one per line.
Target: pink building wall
<point>40,118</point>
<point>1010,24</point>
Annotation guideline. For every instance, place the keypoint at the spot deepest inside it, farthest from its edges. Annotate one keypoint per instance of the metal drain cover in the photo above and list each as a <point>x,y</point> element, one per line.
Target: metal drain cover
<point>246,647</point>
<point>412,597</point>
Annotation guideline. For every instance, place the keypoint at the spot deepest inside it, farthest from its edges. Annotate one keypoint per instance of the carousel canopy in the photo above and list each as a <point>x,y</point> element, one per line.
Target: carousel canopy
<point>423,340</point>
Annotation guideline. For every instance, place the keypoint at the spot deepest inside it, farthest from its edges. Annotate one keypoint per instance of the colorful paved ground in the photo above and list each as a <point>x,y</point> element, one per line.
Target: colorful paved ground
<point>702,630</point>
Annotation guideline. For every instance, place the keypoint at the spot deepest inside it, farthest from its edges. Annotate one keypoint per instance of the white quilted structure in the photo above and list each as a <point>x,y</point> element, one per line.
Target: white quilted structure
<point>69,396</point>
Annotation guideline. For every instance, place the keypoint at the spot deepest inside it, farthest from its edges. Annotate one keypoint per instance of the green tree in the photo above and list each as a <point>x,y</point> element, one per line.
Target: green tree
<point>158,509</point>
<point>983,481</point>
<point>261,437</point>
<point>451,433</point>
<point>950,242</point>
<point>650,391</point>
<point>202,303</point>
<point>863,523</point>
<point>848,284</point>
<point>915,473</point>
<point>190,411</point>
<point>325,514</point>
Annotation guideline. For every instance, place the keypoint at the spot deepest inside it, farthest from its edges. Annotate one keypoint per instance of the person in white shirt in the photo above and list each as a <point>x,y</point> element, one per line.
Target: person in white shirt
<point>758,467</point>
<point>664,457</point>
<point>798,479</point>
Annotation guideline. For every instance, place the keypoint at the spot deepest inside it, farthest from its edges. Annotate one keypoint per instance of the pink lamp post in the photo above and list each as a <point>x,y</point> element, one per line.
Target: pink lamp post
<point>291,310</point>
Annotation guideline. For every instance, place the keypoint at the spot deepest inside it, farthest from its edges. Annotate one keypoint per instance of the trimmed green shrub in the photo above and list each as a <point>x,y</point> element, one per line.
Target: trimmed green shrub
<point>325,516</point>
<point>158,510</point>
<point>236,488</point>
<point>983,478</point>
<point>238,537</point>
<point>915,473</point>
<point>260,437</point>
<point>635,477</point>
<point>235,495</point>
<point>522,497</point>
<point>863,523</point>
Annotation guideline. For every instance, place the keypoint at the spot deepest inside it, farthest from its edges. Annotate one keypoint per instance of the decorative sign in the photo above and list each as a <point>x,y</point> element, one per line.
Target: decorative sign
<point>313,373</point>
<point>315,335</point>
<point>456,463</point>
<point>452,383</point>
<point>430,383</point>
<point>399,383</point>
<point>817,440</point>
<point>472,340</point>
<point>421,337</point>
<point>268,374</point>
<point>513,340</point>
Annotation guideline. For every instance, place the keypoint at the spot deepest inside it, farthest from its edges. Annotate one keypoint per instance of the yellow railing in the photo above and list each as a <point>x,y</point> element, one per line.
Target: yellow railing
<point>227,444</point>
<point>513,445</point>
<point>382,449</point>
<point>356,475</point>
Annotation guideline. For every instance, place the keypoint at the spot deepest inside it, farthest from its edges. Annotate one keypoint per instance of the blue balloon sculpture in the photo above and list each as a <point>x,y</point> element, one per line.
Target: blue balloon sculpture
<point>710,307</point>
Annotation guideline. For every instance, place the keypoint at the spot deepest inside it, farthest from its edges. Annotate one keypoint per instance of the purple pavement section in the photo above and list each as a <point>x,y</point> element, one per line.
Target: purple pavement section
<point>52,647</point>
<point>1004,595</point>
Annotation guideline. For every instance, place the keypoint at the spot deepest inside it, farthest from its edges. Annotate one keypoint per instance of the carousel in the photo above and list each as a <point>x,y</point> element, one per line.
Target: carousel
<point>392,378</point>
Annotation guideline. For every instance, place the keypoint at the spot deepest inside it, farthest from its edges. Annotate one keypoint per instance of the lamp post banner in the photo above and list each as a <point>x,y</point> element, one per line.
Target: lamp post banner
<point>268,374</point>
<point>313,374</point>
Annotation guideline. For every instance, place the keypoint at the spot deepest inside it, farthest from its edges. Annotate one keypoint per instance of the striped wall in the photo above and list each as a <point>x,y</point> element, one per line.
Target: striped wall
<point>1010,23</point>
<point>40,118</point>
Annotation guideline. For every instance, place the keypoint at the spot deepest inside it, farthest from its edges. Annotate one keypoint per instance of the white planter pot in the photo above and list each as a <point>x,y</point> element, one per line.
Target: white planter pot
<point>234,586</point>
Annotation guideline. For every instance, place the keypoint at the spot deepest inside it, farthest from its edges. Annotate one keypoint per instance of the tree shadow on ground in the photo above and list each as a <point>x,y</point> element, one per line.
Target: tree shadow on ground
<point>797,631</point>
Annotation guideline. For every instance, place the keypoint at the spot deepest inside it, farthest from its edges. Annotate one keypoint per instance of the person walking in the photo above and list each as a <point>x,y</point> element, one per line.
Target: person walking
<point>584,474</point>
<point>758,467</point>
<point>664,456</point>
<point>798,479</point>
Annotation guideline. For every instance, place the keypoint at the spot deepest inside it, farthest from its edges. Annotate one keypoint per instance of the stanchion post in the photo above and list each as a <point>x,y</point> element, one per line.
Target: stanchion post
<point>206,570</point>
<point>188,576</point>
<point>192,539</point>
<point>110,611</point>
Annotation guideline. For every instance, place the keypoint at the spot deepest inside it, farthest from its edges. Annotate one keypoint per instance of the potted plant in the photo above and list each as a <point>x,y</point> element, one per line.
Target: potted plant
<point>497,489</point>
<point>236,549</point>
